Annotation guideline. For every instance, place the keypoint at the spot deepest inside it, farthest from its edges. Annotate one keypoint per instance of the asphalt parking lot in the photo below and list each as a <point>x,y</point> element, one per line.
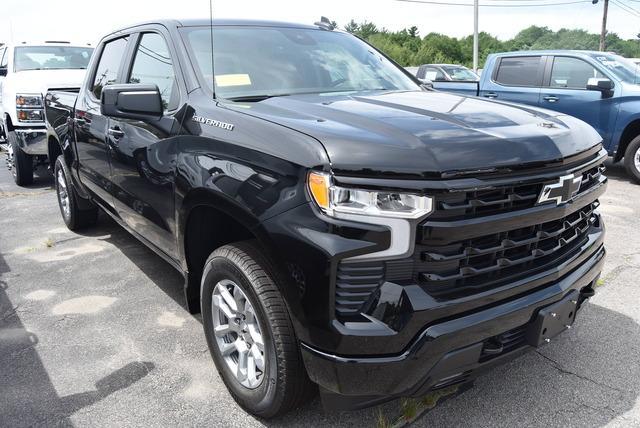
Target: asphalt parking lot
<point>93,332</point>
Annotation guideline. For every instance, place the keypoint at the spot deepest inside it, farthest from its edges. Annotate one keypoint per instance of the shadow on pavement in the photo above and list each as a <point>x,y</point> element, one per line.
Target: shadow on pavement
<point>27,395</point>
<point>617,171</point>
<point>161,273</point>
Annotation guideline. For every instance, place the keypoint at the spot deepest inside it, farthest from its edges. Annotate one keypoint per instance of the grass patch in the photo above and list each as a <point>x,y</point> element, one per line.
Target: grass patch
<point>411,409</point>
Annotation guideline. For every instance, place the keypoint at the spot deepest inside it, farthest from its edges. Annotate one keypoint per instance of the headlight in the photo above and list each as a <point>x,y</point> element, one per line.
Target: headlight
<point>29,100</point>
<point>36,115</point>
<point>333,199</point>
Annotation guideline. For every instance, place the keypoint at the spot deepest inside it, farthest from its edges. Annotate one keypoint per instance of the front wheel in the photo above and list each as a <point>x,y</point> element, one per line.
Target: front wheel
<point>249,331</point>
<point>632,159</point>
<point>74,216</point>
<point>20,164</point>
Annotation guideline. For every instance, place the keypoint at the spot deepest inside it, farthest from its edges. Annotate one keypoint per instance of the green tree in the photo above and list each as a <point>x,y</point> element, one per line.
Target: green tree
<point>408,49</point>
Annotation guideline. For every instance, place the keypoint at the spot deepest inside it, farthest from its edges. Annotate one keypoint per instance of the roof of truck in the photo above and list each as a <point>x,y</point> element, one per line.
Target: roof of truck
<point>552,52</point>
<point>198,22</point>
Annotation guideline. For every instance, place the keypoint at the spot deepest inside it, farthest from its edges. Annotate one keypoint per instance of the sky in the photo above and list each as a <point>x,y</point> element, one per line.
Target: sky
<point>88,20</point>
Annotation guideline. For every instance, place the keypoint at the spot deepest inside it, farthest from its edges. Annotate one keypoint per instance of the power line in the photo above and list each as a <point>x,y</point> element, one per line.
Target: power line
<point>626,8</point>
<point>496,5</point>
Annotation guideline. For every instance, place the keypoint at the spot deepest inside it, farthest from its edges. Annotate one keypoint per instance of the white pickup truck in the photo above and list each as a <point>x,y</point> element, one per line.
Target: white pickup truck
<point>27,71</point>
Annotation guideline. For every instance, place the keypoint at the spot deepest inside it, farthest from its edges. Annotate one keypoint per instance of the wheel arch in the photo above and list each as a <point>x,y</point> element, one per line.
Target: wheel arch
<point>631,131</point>
<point>206,221</point>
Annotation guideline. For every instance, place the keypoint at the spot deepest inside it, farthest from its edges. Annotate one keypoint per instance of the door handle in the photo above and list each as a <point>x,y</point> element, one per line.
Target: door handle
<point>550,98</point>
<point>491,95</point>
<point>115,133</point>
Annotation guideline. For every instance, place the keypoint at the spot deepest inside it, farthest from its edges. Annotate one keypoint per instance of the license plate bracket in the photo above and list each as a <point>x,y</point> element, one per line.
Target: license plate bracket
<point>553,320</point>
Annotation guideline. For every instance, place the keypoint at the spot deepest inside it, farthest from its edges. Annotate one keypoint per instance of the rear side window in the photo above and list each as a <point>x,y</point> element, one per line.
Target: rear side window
<point>572,73</point>
<point>519,71</point>
<point>152,65</point>
<point>110,60</point>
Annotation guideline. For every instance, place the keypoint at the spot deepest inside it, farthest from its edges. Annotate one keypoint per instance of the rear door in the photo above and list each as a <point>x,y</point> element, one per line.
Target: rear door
<point>516,78</point>
<point>565,91</point>
<point>91,126</point>
<point>143,153</point>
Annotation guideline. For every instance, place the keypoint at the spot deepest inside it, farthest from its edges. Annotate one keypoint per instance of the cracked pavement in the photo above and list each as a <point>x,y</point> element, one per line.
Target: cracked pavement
<point>93,332</point>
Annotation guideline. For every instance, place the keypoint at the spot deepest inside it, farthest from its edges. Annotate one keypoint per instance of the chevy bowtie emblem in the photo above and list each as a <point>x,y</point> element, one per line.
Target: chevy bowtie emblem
<point>562,191</point>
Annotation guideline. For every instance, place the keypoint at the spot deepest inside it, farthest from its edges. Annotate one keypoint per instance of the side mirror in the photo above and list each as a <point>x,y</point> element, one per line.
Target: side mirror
<point>3,71</point>
<point>131,101</point>
<point>602,85</point>
<point>426,83</point>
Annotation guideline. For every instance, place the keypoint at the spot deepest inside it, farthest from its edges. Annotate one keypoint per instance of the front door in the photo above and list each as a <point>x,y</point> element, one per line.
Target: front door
<point>143,153</point>
<point>567,93</point>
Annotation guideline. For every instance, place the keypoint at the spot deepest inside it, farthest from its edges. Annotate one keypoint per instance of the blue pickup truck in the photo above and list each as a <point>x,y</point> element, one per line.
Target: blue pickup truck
<point>603,89</point>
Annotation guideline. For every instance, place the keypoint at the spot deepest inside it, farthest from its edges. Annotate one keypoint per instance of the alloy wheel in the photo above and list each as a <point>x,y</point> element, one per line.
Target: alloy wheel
<point>237,333</point>
<point>63,194</point>
<point>636,159</point>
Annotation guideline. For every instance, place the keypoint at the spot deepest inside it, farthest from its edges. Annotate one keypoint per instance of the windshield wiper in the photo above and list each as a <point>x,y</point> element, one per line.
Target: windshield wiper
<point>254,98</point>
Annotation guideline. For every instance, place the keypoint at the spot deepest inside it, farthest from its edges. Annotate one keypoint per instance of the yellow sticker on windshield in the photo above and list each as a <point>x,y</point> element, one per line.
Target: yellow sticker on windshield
<point>233,79</point>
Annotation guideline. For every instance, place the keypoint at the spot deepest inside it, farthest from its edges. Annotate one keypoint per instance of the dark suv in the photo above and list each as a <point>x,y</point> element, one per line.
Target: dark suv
<point>336,223</point>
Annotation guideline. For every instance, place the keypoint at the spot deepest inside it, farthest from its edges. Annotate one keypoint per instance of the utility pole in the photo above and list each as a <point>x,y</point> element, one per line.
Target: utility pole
<point>475,34</point>
<point>603,32</point>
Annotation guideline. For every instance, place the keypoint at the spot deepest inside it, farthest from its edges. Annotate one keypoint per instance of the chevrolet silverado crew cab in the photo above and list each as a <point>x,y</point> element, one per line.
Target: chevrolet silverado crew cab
<point>27,71</point>
<point>603,89</point>
<point>338,225</point>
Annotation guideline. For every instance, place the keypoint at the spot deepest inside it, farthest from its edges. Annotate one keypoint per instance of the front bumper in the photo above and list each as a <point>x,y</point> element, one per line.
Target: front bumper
<point>32,141</point>
<point>446,353</point>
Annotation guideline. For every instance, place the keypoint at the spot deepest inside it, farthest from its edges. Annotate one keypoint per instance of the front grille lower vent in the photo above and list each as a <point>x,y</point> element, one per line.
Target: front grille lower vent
<point>354,284</point>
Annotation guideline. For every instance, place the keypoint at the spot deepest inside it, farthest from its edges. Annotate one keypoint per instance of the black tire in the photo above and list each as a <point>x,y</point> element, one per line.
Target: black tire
<point>285,384</point>
<point>75,217</point>
<point>21,162</point>
<point>630,155</point>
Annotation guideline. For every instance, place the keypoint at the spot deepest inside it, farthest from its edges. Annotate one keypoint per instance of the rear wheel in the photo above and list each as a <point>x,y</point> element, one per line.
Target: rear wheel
<point>249,332</point>
<point>632,159</point>
<point>74,216</point>
<point>20,164</point>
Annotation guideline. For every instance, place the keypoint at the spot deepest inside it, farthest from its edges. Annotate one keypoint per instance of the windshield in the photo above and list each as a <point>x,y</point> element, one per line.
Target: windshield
<point>51,58</point>
<point>272,61</point>
<point>460,73</point>
<point>622,68</point>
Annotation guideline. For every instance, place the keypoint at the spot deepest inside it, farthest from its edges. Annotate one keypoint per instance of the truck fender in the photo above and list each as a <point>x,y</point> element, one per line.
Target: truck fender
<point>203,197</point>
<point>627,128</point>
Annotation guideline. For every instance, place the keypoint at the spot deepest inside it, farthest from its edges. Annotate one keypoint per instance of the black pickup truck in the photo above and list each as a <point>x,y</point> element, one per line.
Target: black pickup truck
<point>336,223</point>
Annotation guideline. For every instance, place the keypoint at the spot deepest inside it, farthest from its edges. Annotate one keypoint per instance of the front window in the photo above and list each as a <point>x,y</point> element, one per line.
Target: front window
<point>572,73</point>
<point>460,73</point>
<point>622,68</point>
<point>271,61</point>
<point>51,58</point>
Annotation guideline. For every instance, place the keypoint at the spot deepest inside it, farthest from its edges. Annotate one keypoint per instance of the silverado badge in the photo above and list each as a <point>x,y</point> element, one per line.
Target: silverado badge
<point>213,122</point>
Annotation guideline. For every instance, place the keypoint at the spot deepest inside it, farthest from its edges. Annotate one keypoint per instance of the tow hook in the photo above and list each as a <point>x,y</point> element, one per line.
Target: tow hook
<point>586,293</point>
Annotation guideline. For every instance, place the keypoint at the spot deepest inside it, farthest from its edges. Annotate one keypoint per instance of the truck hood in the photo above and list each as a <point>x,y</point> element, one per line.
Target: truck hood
<point>39,81</point>
<point>419,134</point>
